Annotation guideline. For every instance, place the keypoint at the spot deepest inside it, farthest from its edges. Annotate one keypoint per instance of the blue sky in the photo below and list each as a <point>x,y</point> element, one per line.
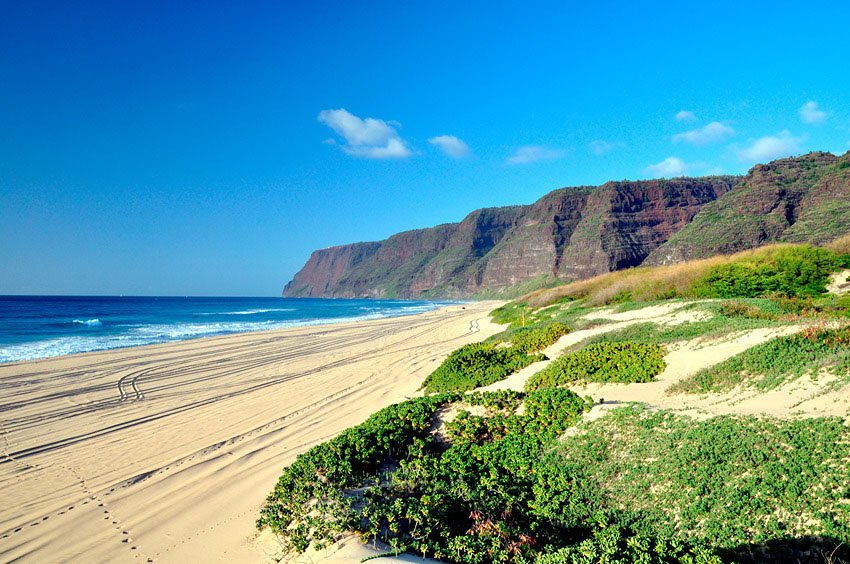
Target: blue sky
<point>207,149</point>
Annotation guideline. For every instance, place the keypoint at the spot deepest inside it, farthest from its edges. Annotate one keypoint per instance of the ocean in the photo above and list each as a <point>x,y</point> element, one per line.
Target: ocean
<point>44,326</point>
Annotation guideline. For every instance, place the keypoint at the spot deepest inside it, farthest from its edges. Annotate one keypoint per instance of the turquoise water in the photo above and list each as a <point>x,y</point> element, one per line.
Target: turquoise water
<point>43,326</point>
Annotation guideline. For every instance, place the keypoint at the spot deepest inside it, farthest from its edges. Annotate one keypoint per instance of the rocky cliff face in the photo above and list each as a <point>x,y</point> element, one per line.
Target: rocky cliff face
<point>569,233</point>
<point>575,233</point>
<point>802,200</point>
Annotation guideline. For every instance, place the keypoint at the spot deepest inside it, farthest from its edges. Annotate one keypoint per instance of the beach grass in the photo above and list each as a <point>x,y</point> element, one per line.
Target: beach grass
<point>781,269</point>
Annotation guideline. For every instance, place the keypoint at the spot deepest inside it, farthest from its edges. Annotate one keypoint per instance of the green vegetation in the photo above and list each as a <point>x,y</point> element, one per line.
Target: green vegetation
<point>721,319</point>
<point>782,270</point>
<point>465,494</point>
<point>538,338</point>
<point>794,200</point>
<point>730,316</point>
<point>789,270</point>
<point>518,314</point>
<point>475,365</point>
<point>633,486</point>
<point>481,364</point>
<point>768,365</point>
<point>621,362</point>
<point>542,281</point>
<point>520,317</point>
<point>754,489</point>
<point>615,545</point>
<point>309,504</point>
<point>789,309</point>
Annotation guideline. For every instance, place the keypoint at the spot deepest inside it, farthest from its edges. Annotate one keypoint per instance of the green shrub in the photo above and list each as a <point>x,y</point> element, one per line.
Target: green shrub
<point>799,270</point>
<point>514,314</point>
<point>309,504</point>
<point>621,362</point>
<point>475,365</point>
<point>794,270</point>
<point>735,308</point>
<point>538,338</point>
<point>466,498</point>
<point>770,364</point>
<point>614,545</point>
<point>632,486</point>
<point>520,315</point>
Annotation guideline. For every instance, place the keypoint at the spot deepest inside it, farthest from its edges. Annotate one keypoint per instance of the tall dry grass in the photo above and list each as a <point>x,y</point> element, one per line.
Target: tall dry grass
<point>840,245</point>
<point>648,283</point>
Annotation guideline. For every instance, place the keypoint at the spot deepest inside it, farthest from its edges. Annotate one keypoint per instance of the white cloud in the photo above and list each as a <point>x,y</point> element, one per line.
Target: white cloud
<point>451,145</point>
<point>599,147</point>
<point>770,147</point>
<point>714,132</point>
<point>685,115</point>
<point>534,153</point>
<point>810,113</point>
<point>668,168</point>
<point>368,138</point>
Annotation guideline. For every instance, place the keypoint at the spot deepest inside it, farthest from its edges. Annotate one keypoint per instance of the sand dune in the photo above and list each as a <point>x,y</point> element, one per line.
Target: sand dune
<point>166,453</point>
<point>808,396</point>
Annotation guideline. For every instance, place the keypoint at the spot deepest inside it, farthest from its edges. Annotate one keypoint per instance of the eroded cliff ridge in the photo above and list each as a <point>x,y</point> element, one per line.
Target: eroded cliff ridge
<point>799,200</point>
<point>574,233</point>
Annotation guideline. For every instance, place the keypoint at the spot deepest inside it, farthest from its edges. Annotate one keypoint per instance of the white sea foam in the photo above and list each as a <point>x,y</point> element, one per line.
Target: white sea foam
<point>65,345</point>
<point>88,322</point>
<point>247,311</point>
<point>163,333</point>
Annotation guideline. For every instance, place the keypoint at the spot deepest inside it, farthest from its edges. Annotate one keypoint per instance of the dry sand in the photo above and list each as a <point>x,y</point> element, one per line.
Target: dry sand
<point>165,453</point>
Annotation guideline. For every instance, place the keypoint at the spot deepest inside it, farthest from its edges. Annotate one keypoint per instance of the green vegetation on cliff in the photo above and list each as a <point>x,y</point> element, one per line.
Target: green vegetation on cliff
<point>797,200</point>
<point>576,233</point>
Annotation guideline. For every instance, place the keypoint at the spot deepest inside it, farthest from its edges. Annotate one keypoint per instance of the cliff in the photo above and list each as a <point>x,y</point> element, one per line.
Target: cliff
<point>799,200</point>
<point>574,233</point>
<point>569,233</point>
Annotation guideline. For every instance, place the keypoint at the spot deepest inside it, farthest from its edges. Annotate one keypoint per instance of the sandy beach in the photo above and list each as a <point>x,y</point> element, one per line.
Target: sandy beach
<point>165,453</point>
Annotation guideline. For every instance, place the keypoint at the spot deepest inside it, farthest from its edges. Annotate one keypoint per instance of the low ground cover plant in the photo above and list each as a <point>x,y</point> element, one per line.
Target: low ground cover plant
<point>538,338</point>
<point>475,365</point>
<point>613,544</point>
<point>753,489</point>
<point>621,362</point>
<point>633,486</point>
<point>720,319</point>
<point>465,497</point>
<point>769,365</point>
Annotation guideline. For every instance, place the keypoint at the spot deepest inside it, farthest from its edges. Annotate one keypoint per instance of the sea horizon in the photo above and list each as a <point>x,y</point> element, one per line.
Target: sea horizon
<point>35,327</point>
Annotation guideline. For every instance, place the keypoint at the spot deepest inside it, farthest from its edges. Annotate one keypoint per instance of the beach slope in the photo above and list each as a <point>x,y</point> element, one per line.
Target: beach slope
<point>166,453</point>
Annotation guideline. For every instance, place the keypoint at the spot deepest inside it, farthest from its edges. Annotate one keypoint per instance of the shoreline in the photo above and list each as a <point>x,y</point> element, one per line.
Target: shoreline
<point>166,452</point>
<point>275,325</point>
